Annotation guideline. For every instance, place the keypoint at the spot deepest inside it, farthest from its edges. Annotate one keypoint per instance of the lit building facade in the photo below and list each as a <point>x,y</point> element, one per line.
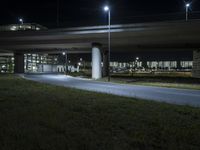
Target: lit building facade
<point>24,26</point>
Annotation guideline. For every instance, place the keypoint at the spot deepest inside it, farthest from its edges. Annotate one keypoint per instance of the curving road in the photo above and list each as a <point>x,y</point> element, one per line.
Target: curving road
<point>168,95</point>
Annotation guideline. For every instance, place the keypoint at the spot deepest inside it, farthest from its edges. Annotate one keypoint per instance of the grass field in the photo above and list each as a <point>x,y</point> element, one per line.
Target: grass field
<point>164,80</point>
<point>169,80</point>
<point>36,116</point>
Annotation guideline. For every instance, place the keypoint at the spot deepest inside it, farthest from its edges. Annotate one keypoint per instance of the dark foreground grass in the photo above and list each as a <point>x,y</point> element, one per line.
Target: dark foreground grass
<point>36,116</point>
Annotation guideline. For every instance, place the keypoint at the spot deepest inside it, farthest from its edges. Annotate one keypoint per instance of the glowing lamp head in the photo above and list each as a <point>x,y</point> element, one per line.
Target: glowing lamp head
<point>21,20</point>
<point>106,8</point>
<point>63,53</point>
<point>187,5</point>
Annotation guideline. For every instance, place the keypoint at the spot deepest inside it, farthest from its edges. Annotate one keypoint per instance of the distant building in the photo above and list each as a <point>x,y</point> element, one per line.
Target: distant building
<point>20,27</point>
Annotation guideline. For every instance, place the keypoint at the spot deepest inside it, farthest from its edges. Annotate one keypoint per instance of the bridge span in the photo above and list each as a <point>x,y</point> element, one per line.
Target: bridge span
<point>161,36</point>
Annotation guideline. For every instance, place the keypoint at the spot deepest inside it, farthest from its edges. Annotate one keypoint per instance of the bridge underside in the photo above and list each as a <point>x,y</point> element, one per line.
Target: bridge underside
<point>161,37</point>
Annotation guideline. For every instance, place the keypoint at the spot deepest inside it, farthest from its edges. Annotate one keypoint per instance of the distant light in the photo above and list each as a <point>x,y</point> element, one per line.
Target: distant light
<point>13,28</point>
<point>137,58</point>
<point>21,20</point>
<point>188,5</point>
<point>81,59</point>
<point>79,64</point>
<point>63,53</point>
<point>106,8</point>
<point>69,61</point>
<point>37,28</point>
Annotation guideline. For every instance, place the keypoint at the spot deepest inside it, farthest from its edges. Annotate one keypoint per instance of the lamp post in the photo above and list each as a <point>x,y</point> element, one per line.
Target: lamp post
<point>186,11</point>
<point>22,22</point>
<point>107,9</point>
<point>136,62</point>
<point>66,62</point>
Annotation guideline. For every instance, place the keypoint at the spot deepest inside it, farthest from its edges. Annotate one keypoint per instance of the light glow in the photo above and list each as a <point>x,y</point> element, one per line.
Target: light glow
<point>106,8</point>
<point>13,28</point>
<point>21,20</point>
<point>187,5</point>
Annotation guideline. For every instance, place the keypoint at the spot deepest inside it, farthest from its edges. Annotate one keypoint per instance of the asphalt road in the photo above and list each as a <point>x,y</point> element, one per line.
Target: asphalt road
<point>168,95</point>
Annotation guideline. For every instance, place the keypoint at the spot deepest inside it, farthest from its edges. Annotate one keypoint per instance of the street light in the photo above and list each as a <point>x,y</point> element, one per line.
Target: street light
<point>66,62</point>
<point>21,20</point>
<point>186,11</point>
<point>136,62</point>
<point>107,9</point>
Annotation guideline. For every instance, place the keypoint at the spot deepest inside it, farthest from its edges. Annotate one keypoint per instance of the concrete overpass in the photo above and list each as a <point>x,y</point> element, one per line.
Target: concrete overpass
<point>170,36</point>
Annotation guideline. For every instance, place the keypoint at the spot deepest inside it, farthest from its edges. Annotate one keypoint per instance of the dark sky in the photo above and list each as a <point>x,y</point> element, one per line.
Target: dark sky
<point>90,12</point>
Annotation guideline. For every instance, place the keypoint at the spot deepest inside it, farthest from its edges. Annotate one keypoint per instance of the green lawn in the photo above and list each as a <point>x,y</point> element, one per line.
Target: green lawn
<point>171,85</point>
<point>36,116</point>
<point>182,82</point>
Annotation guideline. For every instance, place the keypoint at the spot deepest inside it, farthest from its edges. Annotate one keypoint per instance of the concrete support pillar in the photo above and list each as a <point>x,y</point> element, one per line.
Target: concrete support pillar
<point>105,63</point>
<point>96,61</point>
<point>196,64</point>
<point>19,63</point>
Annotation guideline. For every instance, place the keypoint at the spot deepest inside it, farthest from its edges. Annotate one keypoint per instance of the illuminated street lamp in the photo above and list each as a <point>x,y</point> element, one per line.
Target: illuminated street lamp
<point>107,9</point>
<point>136,62</point>
<point>186,11</point>
<point>66,62</point>
<point>21,21</point>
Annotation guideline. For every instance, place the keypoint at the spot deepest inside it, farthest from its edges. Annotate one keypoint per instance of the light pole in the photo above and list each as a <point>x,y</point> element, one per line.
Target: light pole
<point>65,64</point>
<point>107,9</point>
<point>58,12</point>
<point>136,62</point>
<point>22,22</point>
<point>186,11</point>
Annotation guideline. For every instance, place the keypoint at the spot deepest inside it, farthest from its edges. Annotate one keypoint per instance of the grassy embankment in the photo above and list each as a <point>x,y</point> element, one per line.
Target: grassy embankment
<point>183,81</point>
<point>36,116</point>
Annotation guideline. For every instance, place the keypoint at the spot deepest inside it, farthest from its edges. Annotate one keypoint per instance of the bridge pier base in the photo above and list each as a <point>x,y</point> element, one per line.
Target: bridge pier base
<point>96,61</point>
<point>19,63</point>
<point>196,64</point>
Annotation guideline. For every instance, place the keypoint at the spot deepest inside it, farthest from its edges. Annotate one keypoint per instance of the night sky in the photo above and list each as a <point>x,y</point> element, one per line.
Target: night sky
<point>90,12</point>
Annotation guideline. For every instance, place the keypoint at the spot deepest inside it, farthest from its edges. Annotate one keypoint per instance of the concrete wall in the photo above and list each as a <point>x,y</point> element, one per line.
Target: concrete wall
<point>196,64</point>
